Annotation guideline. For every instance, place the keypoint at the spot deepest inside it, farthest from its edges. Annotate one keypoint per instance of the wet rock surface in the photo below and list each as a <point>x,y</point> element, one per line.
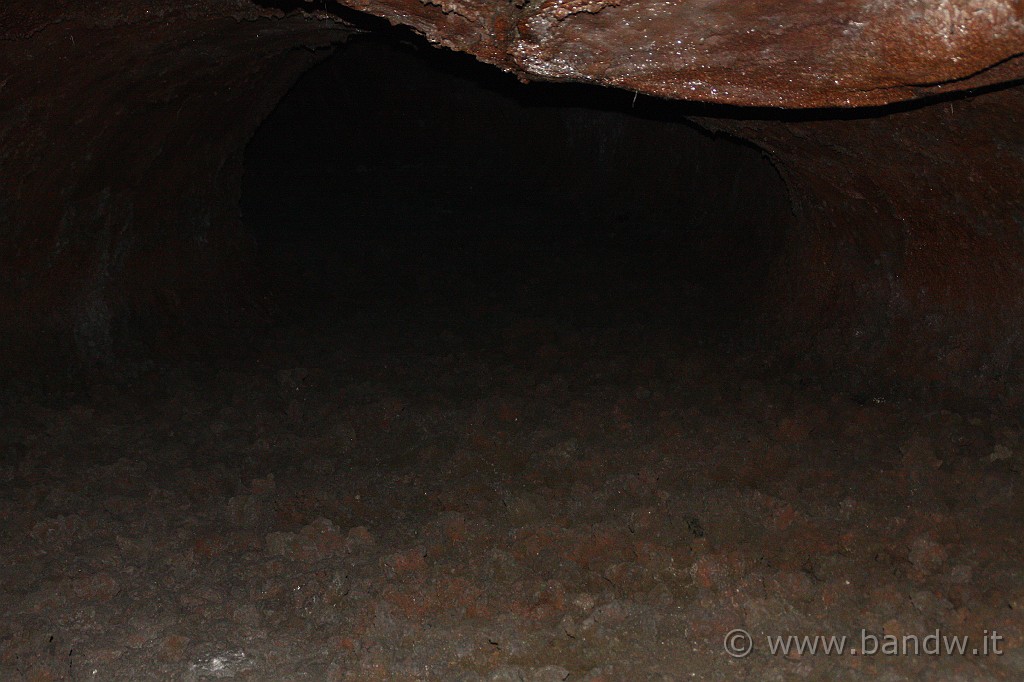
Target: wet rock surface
<point>793,54</point>
<point>440,489</point>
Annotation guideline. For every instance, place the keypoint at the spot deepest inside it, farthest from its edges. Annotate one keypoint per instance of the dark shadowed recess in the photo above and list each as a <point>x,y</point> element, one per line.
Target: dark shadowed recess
<point>397,172</point>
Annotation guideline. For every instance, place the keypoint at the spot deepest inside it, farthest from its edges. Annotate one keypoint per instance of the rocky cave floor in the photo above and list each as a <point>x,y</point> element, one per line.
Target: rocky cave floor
<point>420,485</point>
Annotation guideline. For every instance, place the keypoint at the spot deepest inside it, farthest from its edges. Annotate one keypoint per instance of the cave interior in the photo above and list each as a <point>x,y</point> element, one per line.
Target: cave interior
<point>484,342</point>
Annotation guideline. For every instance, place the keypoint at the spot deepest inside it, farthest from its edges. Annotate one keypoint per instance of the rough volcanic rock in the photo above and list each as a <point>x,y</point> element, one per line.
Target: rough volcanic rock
<point>121,135</point>
<point>789,54</point>
<point>122,126</point>
<point>908,250</point>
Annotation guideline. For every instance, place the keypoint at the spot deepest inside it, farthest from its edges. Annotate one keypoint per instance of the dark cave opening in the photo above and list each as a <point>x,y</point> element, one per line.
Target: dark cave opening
<point>396,171</point>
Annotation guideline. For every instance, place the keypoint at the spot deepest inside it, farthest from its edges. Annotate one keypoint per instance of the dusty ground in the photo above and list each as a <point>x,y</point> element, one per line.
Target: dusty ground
<point>527,474</point>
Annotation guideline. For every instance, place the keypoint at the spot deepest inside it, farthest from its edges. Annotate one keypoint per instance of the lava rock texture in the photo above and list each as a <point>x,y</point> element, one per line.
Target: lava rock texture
<point>122,126</point>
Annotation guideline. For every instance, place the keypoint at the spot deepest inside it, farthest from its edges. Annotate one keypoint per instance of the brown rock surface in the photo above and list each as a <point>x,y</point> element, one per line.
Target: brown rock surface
<point>122,126</point>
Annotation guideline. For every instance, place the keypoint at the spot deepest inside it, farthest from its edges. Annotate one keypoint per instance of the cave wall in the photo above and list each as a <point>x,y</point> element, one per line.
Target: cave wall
<point>907,261</point>
<point>121,135</point>
<point>122,126</point>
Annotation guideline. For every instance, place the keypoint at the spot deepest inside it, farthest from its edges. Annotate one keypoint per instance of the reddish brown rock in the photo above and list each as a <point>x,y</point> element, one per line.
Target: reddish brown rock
<point>123,124</point>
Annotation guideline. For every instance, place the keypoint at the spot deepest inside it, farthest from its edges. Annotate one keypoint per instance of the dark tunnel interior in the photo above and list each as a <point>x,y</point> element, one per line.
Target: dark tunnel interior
<point>412,174</point>
<point>341,356</point>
